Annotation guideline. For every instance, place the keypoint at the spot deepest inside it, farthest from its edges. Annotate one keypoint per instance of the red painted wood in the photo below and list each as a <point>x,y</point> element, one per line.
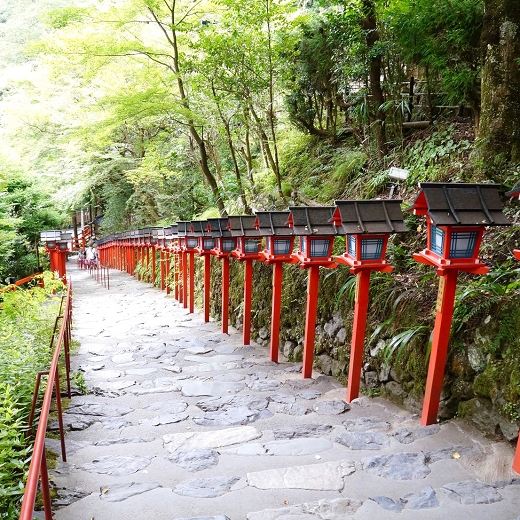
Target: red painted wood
<point>441,337</point>
<point>184,268</point>
<point>276,309</point>
<point>207,286</point>
<point>516,461</point>
<point>167,260</point>
<point>248,294</point>
<point>310,319</point>
<point>225,294</point>
<point>358,334</point>
<point>191,257</point>
<point>153,258</point>
<point>161,266</point>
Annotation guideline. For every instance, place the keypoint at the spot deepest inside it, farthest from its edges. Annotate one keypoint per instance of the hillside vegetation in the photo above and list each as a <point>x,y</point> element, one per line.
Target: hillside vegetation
<point>149,112</point>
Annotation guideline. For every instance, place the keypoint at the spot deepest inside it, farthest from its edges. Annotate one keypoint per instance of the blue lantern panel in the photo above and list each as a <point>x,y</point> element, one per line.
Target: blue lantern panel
<point>319,248</point>
<point>250,246</point>
<point>228,244</point>
<point>191,243</point>
<point>437,240</point>
<point>352,245</point>
<point>281,246</point>
<point>208,243</point>
<point>371,248</point>
<point>463,244</point>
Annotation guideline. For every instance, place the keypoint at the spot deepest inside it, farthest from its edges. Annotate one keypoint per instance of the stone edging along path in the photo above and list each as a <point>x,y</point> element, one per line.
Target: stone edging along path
<point>183,422</point>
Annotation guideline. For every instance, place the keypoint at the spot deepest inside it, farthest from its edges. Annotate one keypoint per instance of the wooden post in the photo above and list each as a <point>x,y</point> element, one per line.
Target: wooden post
<point>184,267</point>
<point>310,320</point>
<point>439,350</point>
<point>225,294</point>
<point>207,286</point>
<point>358,334</point>
<point>276,308</point>
<point>153,258</point>
<point>192,282</point>
<point>248,292</point>
<point>516,462</point>
<point>167,261</point>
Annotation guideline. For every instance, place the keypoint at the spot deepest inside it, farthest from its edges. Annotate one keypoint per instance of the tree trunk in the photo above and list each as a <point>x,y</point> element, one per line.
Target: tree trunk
<point>370,26</point>
<point>499,131</point>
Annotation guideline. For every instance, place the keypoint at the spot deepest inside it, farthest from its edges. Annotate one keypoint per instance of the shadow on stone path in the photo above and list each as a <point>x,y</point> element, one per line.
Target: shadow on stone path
<point>183,422</point>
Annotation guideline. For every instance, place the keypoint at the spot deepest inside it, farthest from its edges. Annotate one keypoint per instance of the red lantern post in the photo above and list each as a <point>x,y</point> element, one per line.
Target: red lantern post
<point>248,249</point>
<point>456,216</point>
<point>224,245</point>
<point>204,247</point>
<point>516,462</point>
<point>279,247</point>
<point>367,225</point>
<point>313,226</point>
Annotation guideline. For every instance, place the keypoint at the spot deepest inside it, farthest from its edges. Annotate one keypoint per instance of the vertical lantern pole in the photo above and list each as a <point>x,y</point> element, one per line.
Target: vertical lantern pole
<point>248,293</point>
<point>358,333</point>
<point>439,350</point>
<point>225,294</point>
<point>162,266</point>
<point>153,258</point>
<point>176,278</point>
<point>516,461</point>
<point>276,308</point>
<point>207,286</point>
<point>191,256</point>
<point>310,319</point>
<point>184,263</point>
<point>167,260</point>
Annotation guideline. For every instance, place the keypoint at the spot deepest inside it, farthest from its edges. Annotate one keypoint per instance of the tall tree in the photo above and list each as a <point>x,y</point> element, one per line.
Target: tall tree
<point>499,131</point>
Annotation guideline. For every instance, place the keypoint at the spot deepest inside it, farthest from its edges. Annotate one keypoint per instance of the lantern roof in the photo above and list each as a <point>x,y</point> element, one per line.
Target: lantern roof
<point>369,216</point>
<point>198,228</point>
<point>313,220</point>
<point>172,230</point>
<point>183,227</point>
<point>243,226</point>
<point>271,223</point>
<point>218,227</point>
<point>460,204</point>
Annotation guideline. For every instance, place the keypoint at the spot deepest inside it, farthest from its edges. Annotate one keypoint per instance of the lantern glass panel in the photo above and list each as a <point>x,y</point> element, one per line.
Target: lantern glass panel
<point>228,244</point>
<point>208,243</point>
<point>463,244</point>
<point>62,246</point>
<point>352,245</point>
<point>250,245</point>
<point>153,240</point>
<point>437,240</point>
<point>51,244</point>
<point>281,246</point>
<point>319,248</point>
<point>371,248</point>
<point>191,243</point>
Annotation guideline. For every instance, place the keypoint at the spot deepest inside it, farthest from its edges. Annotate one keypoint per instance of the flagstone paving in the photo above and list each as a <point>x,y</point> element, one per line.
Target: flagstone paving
<point>182,422</point>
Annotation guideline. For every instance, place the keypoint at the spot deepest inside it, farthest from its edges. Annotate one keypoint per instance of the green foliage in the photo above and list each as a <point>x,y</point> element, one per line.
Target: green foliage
<point>436,156</point>
<point>26,321</point>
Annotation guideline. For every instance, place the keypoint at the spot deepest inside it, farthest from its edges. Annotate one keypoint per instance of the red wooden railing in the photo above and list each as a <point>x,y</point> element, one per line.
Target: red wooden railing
<point>14,286</point>
<point>38,467</point>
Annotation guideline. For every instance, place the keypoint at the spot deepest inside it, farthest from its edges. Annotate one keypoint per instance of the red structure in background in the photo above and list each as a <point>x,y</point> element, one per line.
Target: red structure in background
<point>367,225</point>
<point>188,242</point>
<point>313,224</point>
<point>516,462</point>
<point>456,217</point>
<point>279,244</point>
<point>248,247</point>
<point>57,246</point>
<point>205,244</point>
<point>224,245</point>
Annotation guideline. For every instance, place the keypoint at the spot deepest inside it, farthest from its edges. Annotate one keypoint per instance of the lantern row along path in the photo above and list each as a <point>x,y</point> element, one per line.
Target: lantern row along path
<point>184,422</point>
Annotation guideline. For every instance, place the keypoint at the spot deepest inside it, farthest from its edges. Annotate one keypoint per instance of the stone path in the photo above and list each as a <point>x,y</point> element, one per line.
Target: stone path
<point>183,422</point>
